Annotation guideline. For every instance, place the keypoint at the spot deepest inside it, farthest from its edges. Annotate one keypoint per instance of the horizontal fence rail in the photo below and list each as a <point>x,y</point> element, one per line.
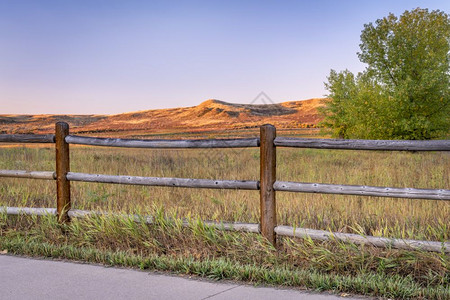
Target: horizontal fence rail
<point>27,138</point>
<point>235,226</point>
<point>135,143</point>
<point>36,211</point>
<point>267,185</point>
<point>387,145</point>
<point>322,235</point>
<point>165,181</point>
<point>76,213</point>
<point>28,174</point>
<point>362,190</point>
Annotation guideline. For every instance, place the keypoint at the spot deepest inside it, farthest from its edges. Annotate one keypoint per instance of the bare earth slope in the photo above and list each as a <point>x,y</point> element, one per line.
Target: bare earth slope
<point>208,116</point>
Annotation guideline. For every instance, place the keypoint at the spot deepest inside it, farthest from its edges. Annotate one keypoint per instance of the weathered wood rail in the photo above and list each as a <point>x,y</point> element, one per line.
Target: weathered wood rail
<point>386,145</point>
<point>267,185</point>
<point>361,190</point>
<point>166,181</point>
<point>165,144</point>
<point>27,138</point>
<point>28,174</point>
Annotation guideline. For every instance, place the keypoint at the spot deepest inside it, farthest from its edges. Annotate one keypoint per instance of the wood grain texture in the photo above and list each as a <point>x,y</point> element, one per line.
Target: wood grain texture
<point>27,138</point>
<point>268,157</point>
<point>28,174</point>
<point>41,211</point>
<point>135,143</point>
<point>363,240</point>
<point>166,181</point>
<point>361,190</point>
<point>388,145</point>
<point>62,168</point>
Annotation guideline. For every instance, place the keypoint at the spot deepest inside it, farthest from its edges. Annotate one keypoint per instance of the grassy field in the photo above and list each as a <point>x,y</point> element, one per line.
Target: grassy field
<point>420,275</point>
<point>402,218</point>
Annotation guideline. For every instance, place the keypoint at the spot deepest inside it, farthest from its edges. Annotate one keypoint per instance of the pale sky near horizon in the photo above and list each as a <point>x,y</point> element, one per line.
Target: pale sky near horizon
<point>85,57</point>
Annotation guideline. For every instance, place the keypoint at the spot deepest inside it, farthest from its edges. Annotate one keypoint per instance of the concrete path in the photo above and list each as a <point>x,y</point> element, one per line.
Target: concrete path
<point>26,278</point>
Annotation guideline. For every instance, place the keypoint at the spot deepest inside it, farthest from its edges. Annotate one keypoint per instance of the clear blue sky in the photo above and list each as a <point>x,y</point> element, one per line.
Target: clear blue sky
<point>117,56</point>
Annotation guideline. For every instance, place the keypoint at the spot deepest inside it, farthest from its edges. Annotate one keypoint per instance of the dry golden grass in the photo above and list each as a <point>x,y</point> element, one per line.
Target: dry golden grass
<point>403,218</point>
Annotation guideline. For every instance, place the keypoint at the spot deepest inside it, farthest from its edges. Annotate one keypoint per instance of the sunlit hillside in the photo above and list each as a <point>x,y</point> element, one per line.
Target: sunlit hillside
<point>210,115</point>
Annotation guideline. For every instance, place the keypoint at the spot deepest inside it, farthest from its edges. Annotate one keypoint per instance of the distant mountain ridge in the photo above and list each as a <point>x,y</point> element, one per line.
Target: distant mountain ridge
<point>208,115</point>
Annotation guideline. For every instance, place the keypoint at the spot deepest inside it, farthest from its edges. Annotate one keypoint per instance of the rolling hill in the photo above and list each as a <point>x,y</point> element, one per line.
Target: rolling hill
<point>211,115</point>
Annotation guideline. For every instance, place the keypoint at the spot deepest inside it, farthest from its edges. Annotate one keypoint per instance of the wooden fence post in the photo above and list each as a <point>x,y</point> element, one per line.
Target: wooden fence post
<point>267,179</point>
<point>62,167</point>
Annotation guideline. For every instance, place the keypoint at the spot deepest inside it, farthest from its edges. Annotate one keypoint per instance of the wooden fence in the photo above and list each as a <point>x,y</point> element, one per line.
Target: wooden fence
<point>267,185</point>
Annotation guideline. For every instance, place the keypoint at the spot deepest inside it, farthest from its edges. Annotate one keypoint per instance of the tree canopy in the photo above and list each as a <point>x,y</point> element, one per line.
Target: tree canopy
<point>404,91</point>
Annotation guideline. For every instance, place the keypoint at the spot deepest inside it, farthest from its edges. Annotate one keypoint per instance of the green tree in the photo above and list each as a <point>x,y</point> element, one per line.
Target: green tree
<point>404,92</point>
<point>338,112</point>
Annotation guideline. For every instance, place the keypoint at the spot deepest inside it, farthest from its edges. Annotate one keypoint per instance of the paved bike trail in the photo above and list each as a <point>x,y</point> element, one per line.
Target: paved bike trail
<point>29,278</point>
